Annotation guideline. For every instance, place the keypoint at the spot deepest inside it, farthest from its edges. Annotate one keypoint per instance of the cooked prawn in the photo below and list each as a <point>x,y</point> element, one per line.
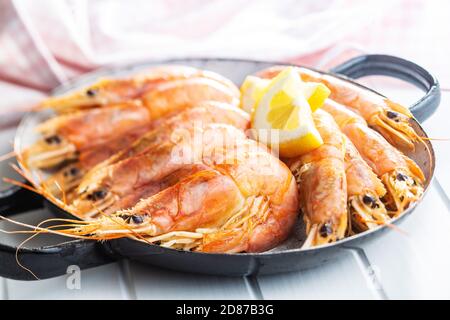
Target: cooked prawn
<point>365,191</point>
<point>257,213</point>
<point>322,184</point>
<point>117,90</point>
<point>65,136</point>
<point>148,159</point>
<point>69,177</point>
<point>401,175</point>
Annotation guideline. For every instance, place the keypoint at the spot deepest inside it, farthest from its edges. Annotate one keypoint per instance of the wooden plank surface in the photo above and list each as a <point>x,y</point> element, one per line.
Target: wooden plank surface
<point>154,283</point>
<point>341,278</point>
<point>103,282</point>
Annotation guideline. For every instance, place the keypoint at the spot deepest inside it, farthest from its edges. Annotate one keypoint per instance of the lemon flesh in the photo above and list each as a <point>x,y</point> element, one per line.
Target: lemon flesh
<point>253,88</point>
<point>316,94</point>
<point>282,117</point>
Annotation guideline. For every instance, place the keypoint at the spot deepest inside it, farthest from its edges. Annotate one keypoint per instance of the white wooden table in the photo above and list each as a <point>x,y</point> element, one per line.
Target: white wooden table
<point>410,264</point>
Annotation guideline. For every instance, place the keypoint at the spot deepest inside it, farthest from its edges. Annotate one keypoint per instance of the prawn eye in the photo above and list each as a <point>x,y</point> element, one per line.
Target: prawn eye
<point>97,195</point>
<point>137,219</point>
<point>74,171</point>
<point>325,230</point>
<point>71,172</point>
<point>53,139</point>
<point>125,217</point>
<point>368,199</point>
<point>402,177</point>
<point>391,114</point>
<point>91,92</point>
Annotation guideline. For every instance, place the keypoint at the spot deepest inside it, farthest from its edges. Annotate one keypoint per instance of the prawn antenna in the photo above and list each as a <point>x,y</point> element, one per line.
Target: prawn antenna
<point>35,232</point>
<point>7,156</point>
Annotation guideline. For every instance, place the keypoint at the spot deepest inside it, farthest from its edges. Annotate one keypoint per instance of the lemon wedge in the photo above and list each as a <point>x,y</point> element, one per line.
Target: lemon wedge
<point>251,90</point>
<point>282,118</point>
<point>316,94</point>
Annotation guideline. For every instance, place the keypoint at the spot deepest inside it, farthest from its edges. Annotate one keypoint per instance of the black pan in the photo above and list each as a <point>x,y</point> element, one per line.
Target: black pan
<point>53,260</point>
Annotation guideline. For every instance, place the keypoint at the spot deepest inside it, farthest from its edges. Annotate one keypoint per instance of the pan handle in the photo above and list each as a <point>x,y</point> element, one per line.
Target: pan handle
<point>379,64</point>
<point>15,199</point>
<point>51,261</point>
<point>48,261</point>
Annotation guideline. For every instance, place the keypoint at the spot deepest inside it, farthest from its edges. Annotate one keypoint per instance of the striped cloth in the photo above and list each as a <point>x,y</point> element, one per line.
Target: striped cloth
<point>43,46</point>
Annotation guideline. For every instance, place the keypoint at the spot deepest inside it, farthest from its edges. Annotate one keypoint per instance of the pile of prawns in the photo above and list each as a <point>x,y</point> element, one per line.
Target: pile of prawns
<point>121,157</point>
